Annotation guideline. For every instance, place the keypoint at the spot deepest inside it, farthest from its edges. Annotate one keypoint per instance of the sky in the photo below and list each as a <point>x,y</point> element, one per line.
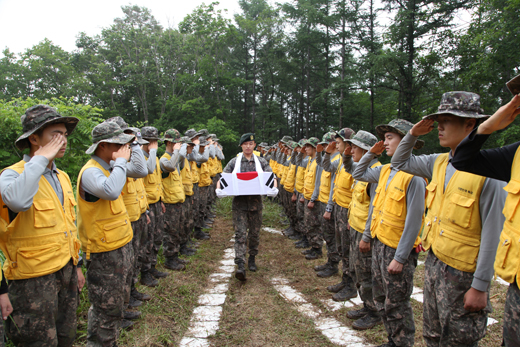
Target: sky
<point>24,23</point>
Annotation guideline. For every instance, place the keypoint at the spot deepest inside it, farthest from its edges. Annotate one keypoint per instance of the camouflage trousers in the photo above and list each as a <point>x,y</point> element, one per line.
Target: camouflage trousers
<point>155,236</point>
<point>392,293</point>
<point>108,283</point>
<point>242,221</point>
<point>342,237</point>
<point>361,269</point>
<point>187,215</point>
<point>327,229</point>
<point>311,219</point>
<point>512,316</point>
<point>140,228</point>
<point>446,322</point>
<point>173,225</point>
<point>291,209</point>
<point>203,205</point>
<point>300,214</point>
<point>44,309</point>
<point>195,214</point>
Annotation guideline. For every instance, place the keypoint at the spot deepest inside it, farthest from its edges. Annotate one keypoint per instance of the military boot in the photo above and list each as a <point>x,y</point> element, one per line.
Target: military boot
<point>289,231</point>
<point>127,325</point>
<point>337,287</point>
<point>148,280</point>
<point>185,250</point>
<point>240,274</point>
<point>158,274</point>
<point>173,263</point>
<point>183,261</point>
<point>134,302</point>
<point>349,291</point>
<point>323,266</point>
<point>200,235</point>
<point>302,244</point>
<point>140,296</point>
<point>307,251</point>
<point>369,321</point>
<point>356,314</point>
<point>131,315</point>
<point>390,343</point>
<point>315,254</point>
<point>296,236</point>
<point>330,271</point>
<point>251,265</point>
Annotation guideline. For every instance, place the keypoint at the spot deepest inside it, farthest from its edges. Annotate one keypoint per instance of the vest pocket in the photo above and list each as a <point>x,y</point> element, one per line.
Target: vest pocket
<point>459,247</point>
<point>44,213</point>
<point>40,259</point>
<point>430,194</point>
<point>512,200</point>
<point>395,204</point>
<point>508,249</point>
<point>113,230</point>
<point>460,210</point>
<point>427,234</point>
<point>72,209</point>
<point>116,206</point>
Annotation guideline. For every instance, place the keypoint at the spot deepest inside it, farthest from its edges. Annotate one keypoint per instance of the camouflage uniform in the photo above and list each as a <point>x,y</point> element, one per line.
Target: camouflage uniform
<point>44,309</point>
<point>109,293</point>
<point>155,236</point>
<point>328,232</point>
<point>512,316</point>
<point>392,293</point>
<point>446,322</point>
<point>173,225</point>
<point>187,217</point>
<point>247,213</point>
<point>312,223</point>
<point>195,198</point>
<point>342,237</point>
<point>361,269</point>
<point>140,228</point>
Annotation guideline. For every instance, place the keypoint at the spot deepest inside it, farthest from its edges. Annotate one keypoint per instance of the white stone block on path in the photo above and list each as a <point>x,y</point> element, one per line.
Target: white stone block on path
<point>207,313</point>
<point>272,231</point>
<point>228,262</point>
<point>193,342</point>
<point>309,311</point>
<point>202,329</point>
<point>227,268</point>
<point>220,288</point>
<point>279,280</point>
<point>344,336</point>
<point>356,301</point>
<point>290,294</point>
<point>417,290</point>
<point>219,277</point>
<point>212,299</point>
<point>418,297</point>
<point>491,321</point>
<point>327,323</point>
<point>335,305</point>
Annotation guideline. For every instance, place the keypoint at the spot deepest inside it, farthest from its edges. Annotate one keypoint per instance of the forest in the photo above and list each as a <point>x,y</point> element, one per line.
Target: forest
<point>296,68</point>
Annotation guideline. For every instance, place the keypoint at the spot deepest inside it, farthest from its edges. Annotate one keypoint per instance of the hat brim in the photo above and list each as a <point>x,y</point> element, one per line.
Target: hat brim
<point>457,113</point>
<point>385,128</point>
<point>359,144</point>
<point>70,124</point>
<point>120,139</point>
<point>142,141</point>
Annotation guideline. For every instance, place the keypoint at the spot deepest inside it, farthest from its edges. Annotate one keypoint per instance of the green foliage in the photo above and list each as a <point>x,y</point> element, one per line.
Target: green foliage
<point>228,137</point>
<point>78,141</point>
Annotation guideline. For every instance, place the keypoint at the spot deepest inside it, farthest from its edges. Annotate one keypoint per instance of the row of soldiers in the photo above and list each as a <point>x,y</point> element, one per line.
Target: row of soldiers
<point>129,203</point>
<point>376,218</point>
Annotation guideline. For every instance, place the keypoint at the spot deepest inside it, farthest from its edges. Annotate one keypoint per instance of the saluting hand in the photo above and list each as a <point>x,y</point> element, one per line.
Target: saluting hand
<point>177,145</point>
<point>319,148</point>
<point>51,149</point>
<point>123,152</point>
<point>331,147</point>
<point>422,128</point>
<point>378,148</point>
<point>348,150</point>
<point>504,116</point>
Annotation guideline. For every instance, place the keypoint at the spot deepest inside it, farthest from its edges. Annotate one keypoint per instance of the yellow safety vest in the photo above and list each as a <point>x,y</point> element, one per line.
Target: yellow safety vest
<point>173,189</point>
<point>507,261</point>
<point>187,179</point>
<point>310,179</point>
<point>390,209</point>
<point>43,239</point>
<point>204,175</point>
<point>360,205</point>
<point>325,183</point>
<point>300,178</point>
<point>141,195</point>
<point>212,167</point>
<point>290,180</point>
<point>453,224</point>
<point>103,225</point>
<point>152,184</point>
<point>194,172</point>
<point>219,166</point>
<point>285,170</point>
<point>343,183</point>
<point>131,200</point>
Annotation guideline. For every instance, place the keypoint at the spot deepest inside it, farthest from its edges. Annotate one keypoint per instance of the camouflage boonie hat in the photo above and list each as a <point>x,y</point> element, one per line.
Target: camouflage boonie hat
<point>397,126</point>
<point>345,134</point>
<point>150,133</point>
<point>172,135</point>
<point>191,133</point>
<point>460,104</point>
<point>35,117</point>
<point>328,138</point>
<point>135,131</point>
<point>285,139</point>
<point>292,144</point>
<point>301,143</point>
<point>363,139</point>
<point>313,141</point>
<point>108,132</point>
<point>120,121</point>
<point>262,144</point>
<point>186,140</point>
<point>212,136</point>
<point>203,132</point>
<point>203,142</point>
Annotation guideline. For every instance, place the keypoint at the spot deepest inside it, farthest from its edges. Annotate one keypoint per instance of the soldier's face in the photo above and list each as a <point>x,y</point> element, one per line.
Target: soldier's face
<point>248,147</point>
<point>340,145</point>
<point>195,140</point>
<point>189,149</point>
<point>357,153</point>
<point>391,142</point>
<point>49,132</point>
<point>453,129</point>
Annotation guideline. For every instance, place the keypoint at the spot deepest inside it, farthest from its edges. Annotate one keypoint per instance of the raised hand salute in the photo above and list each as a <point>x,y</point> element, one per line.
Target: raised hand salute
<point>504,116</point>
<point>422,128</point>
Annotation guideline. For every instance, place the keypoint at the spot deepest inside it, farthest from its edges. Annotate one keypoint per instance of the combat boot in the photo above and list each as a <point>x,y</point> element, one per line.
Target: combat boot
<point>148,280</point>
<point>296,236</point>
<point>289,231</point>
<point>330,271</point>
<point>315,254</point>
<point>173,263</point>
<point>134,302</point>
<point>337,287</point>
<point>390,343</point>
<point>158,274</point>
<point>306,251</point>
<point>251,265</point>
<point>349,291</point>
<point>127,325</point>
<point>240,274</point>
<point>357,314</point>
<point>200,235</point>
<point>323,266</point>
<point>369,321</point>
<point>140,296</point>
<point>183,261</point>
<point>131,315</point>
<point>302,244</point>
<point>185,250</point>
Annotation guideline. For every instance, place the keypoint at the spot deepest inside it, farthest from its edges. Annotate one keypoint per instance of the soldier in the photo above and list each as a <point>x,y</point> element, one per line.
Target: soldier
<point>173,197</point>
<point>289,182</point>
<point>39,238</point>
<point>341,195</point>
<point>189,192</point>
<point>105,231</point>
<point>502,164</point>
<point>360,211</point>
<point>301,163</point>
<point>397,220</point>
<point>205,182</point>
<point>247,209</point>
<point>156,208</point>
<point>462,227</point>
<point>213,169</point>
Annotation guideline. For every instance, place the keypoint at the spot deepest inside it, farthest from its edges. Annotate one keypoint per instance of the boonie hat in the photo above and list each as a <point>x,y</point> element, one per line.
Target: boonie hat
<point>345,134</point>
<point>137,133</point>
<point>108,132</point>
<point>460,104</point>
<point>172,135</point>
<point>397,126</point>
<point>363,139</point>
<point>150,133</point>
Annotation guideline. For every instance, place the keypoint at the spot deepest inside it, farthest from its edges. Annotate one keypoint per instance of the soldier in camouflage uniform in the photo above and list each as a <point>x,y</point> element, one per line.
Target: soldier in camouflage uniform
<point>44,294</point>
<point>187,176</point>
<point>395,228</point>
<point>459,269</point>
<point>247,209</point>
<point>301,163</point>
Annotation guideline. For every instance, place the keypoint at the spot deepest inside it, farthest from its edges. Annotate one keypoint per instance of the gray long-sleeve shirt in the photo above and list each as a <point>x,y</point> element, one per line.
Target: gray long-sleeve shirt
<point>172,164</point>
<point>18,190</point>
<point>220,155</point>
<point>317,182</point>
<point>491,204</point>
<point>414,202</point>
<point>137,167</point>
<point>150,160</point>
<point>212,152</point>
<point>198,157</point>
<point>94,181</point>
<point>330,164</point>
